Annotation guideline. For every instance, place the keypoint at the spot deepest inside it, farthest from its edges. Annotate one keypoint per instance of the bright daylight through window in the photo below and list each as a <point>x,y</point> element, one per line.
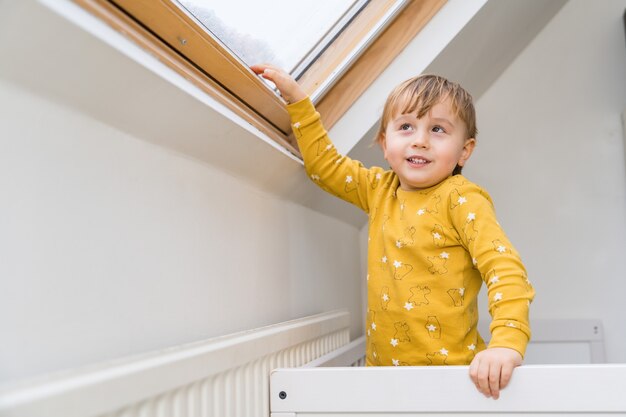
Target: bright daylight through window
<point>282,32</point>
<point>334,48</point>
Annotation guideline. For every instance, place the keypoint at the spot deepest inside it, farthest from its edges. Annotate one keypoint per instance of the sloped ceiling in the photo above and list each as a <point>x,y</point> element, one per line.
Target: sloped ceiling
<point>70,57</point>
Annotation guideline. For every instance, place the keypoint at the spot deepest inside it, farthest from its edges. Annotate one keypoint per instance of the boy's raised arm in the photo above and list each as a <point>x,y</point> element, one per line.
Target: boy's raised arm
<point>337,174</point>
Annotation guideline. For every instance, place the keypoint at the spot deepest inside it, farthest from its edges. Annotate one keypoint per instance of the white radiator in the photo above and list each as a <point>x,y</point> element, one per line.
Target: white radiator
<point>222,377</point>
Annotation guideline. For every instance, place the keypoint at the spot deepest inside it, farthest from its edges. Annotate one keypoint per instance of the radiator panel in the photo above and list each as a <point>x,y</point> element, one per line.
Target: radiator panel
<point>225,376</point>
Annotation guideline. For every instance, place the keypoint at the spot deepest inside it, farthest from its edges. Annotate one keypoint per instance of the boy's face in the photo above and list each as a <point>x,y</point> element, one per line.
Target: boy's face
<point>423,152</point>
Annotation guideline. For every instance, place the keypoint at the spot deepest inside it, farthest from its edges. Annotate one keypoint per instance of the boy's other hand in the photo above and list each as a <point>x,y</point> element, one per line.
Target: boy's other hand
<point>288,87</point>
<point>492,368</point>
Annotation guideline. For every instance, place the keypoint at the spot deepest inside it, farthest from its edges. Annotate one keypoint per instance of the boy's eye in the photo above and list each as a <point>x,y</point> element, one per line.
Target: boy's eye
<point>439,129</point>
<point>405,126</point>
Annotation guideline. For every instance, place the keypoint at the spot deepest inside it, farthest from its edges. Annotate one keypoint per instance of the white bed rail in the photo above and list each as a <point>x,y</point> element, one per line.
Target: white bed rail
<point>222,377</point>
<point>583,390</point>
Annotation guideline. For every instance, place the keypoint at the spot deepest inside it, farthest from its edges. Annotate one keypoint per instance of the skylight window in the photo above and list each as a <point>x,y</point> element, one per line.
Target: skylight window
<point>334,48</point>
<point>282,32</point>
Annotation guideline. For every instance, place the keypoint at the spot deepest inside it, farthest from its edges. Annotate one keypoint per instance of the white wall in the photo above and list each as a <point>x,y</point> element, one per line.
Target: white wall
<point>551,153</point>
<point>110,245</point>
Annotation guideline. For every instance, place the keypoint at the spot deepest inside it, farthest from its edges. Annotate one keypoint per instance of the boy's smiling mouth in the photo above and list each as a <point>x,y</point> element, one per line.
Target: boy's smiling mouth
<point>417,160</point>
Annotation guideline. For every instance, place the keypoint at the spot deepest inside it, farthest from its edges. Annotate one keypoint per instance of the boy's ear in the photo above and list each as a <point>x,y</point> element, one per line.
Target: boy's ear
<point>468,148</point>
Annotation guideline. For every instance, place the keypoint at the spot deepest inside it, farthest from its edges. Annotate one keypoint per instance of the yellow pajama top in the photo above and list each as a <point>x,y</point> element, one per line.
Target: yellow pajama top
<point>429,252</point>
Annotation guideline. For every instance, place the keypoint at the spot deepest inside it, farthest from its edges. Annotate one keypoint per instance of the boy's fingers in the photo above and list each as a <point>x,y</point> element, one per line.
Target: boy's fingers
<point>272,74</point>
<point>286,85</point>
<point>483,378</point>
<point>494,381</point>
<point>268,73</point>
<point>265,70</point>
<point>492,369</point>
<point>259,68</point>
<point>479,375</point>
<point>505,375</point>
<point>473,371</point>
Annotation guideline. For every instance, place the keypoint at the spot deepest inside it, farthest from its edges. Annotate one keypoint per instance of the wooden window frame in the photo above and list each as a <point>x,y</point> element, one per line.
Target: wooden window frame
<point>170,34</point>
<point>348,40</point>
<point>372,62</point>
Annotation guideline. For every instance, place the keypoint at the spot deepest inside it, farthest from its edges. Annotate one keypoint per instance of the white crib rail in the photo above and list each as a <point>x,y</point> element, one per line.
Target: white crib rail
<point>410,391</point>
<point>222,377</point>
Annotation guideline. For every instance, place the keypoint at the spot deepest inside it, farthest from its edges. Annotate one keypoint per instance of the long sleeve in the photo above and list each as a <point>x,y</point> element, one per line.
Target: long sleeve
<point>335,173</point>
<point>508,289</point>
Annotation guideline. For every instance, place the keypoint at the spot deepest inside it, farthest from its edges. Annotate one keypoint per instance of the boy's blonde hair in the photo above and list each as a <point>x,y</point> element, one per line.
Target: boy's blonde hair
<point>419,95</point>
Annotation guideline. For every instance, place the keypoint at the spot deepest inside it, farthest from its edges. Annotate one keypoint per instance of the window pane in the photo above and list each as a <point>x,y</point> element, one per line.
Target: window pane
<point>283,34</point>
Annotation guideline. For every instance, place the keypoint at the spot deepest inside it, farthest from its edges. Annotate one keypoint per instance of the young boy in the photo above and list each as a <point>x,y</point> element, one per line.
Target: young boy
<point>433,235</point>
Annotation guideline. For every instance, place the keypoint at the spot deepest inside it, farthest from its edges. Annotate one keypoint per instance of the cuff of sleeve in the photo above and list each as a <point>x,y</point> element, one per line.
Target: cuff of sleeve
<point>300,110</point>
<point>510,338</point>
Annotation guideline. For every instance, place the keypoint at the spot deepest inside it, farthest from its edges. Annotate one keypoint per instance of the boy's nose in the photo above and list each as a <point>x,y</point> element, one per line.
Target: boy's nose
<point>420,139</point>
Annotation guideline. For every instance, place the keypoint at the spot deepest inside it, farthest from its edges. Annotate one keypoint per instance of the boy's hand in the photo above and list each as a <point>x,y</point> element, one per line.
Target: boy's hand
<point>288,87</point>
<point>492,368</point>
